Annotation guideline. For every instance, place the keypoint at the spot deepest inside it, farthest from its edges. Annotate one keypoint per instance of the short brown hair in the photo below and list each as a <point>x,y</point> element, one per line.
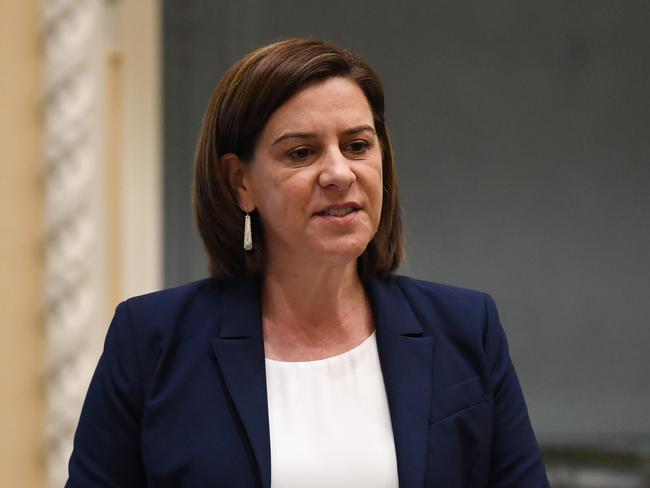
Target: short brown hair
<point>241,104</point>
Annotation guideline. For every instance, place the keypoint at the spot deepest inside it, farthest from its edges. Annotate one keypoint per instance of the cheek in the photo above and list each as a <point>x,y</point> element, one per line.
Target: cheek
<point>278,195</point>
<point>378,193</point>
<point>264,184</point>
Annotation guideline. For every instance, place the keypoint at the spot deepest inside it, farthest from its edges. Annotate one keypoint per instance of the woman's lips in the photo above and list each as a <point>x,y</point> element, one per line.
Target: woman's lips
<point>338,219</point>
<point>337,212</point>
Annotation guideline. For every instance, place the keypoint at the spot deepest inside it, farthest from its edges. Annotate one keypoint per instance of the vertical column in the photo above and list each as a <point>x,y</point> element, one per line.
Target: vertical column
<point>141,181</point>
<point>74,237</point>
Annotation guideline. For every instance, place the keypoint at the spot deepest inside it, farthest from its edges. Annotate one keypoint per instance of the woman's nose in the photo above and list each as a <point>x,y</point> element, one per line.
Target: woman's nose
<point>336,170</point>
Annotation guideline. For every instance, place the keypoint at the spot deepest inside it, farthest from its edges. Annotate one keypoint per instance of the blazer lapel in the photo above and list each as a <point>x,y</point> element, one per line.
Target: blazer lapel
<point>239,350</point>
<point>406,358</point>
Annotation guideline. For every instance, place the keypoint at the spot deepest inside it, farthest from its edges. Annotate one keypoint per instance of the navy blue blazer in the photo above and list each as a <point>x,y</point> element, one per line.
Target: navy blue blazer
<point>178,398</point>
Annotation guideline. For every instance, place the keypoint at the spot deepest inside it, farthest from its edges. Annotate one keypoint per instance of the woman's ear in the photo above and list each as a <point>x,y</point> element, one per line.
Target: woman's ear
<point>236,172</point>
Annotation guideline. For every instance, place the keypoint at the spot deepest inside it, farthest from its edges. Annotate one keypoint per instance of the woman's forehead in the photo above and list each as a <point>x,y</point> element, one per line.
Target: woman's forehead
<point>336,103</point>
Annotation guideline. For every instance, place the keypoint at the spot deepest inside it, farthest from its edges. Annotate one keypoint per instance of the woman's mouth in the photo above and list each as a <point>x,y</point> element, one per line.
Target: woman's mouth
<point>337,212</point>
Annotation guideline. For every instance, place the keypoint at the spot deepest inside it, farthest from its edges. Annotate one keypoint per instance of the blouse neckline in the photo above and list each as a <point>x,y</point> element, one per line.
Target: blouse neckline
<point>346,355</point>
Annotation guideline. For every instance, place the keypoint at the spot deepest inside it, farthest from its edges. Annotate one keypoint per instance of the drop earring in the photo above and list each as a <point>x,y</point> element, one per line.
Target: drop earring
<point>248,233</point>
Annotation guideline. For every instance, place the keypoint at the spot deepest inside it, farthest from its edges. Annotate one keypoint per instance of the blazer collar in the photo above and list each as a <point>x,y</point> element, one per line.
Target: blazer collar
<point>405,354</point>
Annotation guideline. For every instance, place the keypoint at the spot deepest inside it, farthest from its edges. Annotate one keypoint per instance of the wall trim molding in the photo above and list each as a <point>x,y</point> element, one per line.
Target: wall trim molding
<point>102,180</point>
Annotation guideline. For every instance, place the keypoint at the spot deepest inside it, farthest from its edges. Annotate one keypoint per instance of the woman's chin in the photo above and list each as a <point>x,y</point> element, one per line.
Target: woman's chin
<point>340,252</point>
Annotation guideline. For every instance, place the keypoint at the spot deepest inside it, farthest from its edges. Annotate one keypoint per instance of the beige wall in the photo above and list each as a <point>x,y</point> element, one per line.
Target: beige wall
<point>21,275</point>
<point>133,185</point>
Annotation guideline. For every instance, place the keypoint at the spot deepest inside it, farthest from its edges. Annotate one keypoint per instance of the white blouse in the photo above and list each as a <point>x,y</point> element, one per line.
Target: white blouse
<point>329,422</point>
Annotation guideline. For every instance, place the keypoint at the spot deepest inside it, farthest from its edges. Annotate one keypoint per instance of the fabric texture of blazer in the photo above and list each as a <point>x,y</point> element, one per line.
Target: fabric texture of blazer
<point>178,398</point>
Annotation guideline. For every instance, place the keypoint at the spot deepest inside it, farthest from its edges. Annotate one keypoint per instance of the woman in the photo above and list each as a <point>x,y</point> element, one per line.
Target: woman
<point>303,361</point>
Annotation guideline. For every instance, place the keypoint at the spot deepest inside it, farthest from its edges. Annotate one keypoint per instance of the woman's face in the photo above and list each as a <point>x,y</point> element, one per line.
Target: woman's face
<point>316,175</point>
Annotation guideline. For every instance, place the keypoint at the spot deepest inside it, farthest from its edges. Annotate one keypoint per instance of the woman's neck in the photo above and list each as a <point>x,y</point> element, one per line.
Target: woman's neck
<point>317,313</point>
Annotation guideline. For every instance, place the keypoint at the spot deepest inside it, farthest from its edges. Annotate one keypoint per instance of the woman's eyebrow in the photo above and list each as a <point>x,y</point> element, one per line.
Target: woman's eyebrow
<point>289,135</point>
<point>360,128</point>
<point>309,135</point>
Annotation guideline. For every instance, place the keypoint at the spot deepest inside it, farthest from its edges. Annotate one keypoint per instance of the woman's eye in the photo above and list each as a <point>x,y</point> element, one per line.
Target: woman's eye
<point>358,147</point>
<point>300,153</point>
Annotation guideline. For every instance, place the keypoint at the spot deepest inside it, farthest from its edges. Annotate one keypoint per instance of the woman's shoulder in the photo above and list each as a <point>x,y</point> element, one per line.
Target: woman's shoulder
<point>451,297</point>
<point>175,297</point>
<point>167,313</point>
<point>434,289</point>
<point>453,309</point>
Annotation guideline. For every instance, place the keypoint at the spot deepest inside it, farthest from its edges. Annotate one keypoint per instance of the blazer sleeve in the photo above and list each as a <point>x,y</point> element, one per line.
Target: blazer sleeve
<point>516,461</point>
<point>107,441</point>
